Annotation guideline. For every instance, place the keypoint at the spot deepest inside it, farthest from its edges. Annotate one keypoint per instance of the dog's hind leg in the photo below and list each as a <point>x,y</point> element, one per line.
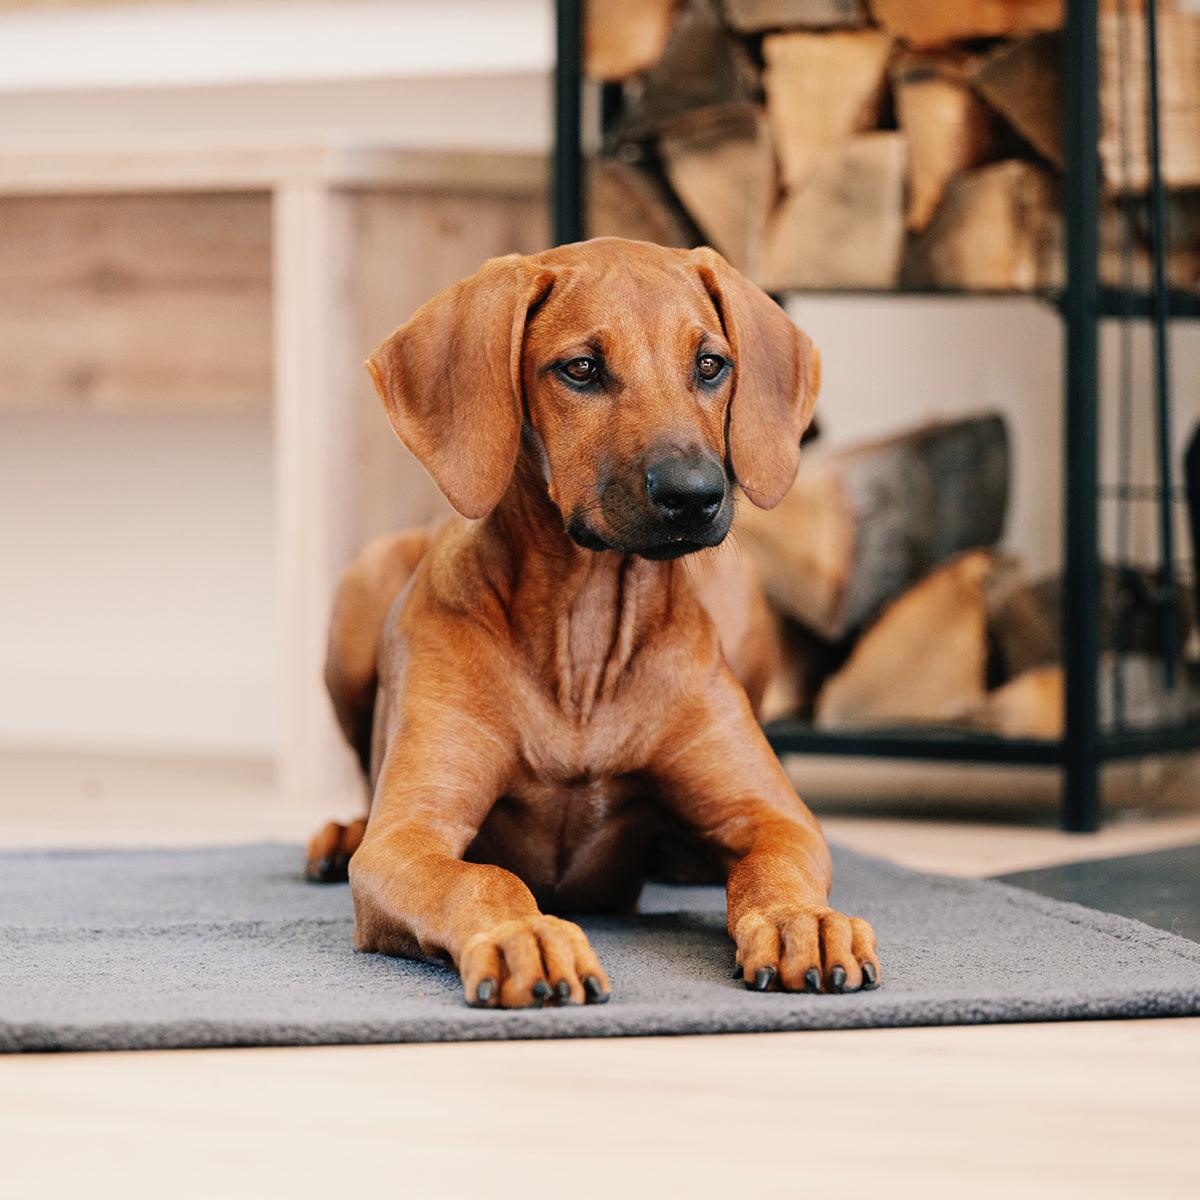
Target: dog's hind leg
<point>329,851</point>
<point>361,604</point>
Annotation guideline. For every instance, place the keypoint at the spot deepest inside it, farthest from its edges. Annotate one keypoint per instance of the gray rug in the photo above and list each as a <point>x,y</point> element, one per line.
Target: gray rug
<point>228,947</point>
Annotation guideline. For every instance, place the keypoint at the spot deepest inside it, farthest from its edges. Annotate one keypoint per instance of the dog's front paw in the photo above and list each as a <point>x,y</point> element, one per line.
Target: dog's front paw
<point>531,962</point>
<point>805,950</point>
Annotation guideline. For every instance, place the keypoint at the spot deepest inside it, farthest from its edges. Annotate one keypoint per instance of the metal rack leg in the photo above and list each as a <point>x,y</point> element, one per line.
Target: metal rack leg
<point>1162,366</point>
<point>567,182</point>
<point>1081,634</point>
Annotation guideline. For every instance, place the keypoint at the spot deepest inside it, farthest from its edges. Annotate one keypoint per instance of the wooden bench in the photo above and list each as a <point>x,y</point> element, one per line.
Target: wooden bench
<point>236,275</point>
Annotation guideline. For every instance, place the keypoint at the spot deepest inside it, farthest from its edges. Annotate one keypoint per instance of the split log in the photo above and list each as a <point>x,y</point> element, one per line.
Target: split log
<point>821,87</point>
<point>999,228</point>
<point>1031,705</point>
<point>931,630</point>
<point>623,37</point>
<point>946,126</point>
<point>1146,702</point>
<point>626,201</point>
<point>756,16</point>
<point>927,24</point>
<point>1022,81</point>
<point>1118,241</point>
<point>1183,238</point>
<point>1023,632</point>
<point>923,660</point>
<point>702,64</point>
<point>1183,221</point>
<point>721,165</point>
<point>1179,91</point>
<point>1025,618</point>
<point>863,523</point>
<point>804,662</point>
<point>845,227</point>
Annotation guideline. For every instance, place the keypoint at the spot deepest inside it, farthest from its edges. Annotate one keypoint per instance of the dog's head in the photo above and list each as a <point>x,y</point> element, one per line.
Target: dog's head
<point>645,381</point>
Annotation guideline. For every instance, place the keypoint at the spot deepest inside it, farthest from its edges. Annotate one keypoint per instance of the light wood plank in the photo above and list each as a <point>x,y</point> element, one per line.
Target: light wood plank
<point>135,302</point>
<point>201,162</point>
<point>314,441</point>
<point>1097,1110</point>
<point>407,247</point>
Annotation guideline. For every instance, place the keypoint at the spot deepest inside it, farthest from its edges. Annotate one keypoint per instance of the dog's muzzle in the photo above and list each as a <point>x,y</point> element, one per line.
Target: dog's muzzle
<point>687,492</point>
<point>681,505</point>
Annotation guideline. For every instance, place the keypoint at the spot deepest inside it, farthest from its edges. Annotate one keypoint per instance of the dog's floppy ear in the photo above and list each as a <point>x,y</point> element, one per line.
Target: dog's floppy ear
<point>450,379</point>
<point>776,380</point>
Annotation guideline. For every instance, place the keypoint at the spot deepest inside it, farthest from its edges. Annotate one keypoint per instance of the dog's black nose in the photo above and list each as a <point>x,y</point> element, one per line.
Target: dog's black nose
<point>688,492</point>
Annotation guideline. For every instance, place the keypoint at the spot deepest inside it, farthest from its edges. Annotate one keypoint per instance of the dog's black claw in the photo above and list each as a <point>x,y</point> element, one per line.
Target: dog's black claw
<point>341,865</point>
<point>763,978</point>
<point>562,989</point>
<point>837,977</point>
<point>870,975</point>
<point>324,869</point>
<point>485,991</point>
<point>737,970</point>
<point>541,990</point>
<point>595,993</point>
<point>812,980</point>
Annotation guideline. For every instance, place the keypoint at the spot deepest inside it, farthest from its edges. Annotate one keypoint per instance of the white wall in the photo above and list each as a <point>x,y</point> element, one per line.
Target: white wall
<point>423,72</point>
<point>214,42</point>
<point>138,591</point>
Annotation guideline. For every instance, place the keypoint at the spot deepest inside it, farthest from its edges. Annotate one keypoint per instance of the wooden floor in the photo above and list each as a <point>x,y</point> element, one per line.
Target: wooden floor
<point>1091,1109</point>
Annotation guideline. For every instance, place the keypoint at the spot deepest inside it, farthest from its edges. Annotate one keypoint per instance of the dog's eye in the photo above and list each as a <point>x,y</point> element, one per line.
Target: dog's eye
<point>709,366</point>
<point>580,370</point>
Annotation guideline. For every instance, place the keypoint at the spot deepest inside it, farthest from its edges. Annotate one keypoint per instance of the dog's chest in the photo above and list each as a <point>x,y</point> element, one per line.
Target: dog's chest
<point>575,843</point>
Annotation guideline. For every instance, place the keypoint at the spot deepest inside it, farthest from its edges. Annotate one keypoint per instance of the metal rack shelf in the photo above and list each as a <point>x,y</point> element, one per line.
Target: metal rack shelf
<point>1083,303</point>
<point>795,737</point>
<point>1111,301</point>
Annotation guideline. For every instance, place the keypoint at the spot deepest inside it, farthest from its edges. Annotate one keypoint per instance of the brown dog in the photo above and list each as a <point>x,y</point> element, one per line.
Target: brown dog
<point>543,693</point>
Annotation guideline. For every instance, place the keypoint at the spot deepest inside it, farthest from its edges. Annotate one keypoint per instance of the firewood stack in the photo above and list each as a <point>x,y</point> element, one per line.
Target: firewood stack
<point>899,609</point>
<point>881,143</point>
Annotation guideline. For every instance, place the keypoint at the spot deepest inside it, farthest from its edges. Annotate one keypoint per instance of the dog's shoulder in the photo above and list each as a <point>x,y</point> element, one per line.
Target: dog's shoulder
<point>457,579</point>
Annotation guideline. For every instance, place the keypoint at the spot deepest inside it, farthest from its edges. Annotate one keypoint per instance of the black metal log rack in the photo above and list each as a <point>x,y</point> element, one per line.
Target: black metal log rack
<point>1087,743</point>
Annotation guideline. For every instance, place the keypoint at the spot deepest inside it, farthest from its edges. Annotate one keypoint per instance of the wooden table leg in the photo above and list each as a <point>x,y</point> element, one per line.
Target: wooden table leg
<point>315,384</point>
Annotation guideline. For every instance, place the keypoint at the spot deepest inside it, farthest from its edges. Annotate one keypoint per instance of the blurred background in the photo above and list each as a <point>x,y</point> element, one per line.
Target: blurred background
<point>212,210</point>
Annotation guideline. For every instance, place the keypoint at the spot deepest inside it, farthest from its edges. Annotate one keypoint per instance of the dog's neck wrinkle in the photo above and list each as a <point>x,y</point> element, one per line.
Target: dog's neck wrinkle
<point>579,615</point>
<point>593,635</point>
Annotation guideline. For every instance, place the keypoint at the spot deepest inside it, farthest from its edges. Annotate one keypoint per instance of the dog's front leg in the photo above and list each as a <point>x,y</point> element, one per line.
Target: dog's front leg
<point>718,773</point>
<point>415,896</point>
